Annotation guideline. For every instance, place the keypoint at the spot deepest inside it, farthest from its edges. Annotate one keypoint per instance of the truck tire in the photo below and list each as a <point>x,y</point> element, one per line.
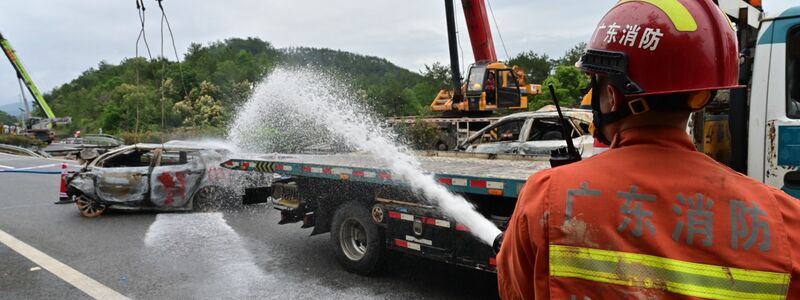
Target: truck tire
<point>359,243</point>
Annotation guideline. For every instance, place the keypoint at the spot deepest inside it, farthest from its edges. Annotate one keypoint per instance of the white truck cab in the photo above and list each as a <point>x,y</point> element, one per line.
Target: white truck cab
<point>773,148</point>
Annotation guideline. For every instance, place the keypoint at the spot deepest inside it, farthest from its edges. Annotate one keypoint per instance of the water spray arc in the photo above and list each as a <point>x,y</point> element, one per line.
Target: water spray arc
<point>284,102</point>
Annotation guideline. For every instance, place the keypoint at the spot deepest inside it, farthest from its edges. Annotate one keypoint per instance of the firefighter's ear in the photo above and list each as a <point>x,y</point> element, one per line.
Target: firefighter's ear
<point>613,100</point>
<point>699,100</point>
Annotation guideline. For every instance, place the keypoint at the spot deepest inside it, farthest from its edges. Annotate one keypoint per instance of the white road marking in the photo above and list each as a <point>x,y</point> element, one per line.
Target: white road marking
<point>6,167</point>
<point>82,282</point>
<point>24,206</point>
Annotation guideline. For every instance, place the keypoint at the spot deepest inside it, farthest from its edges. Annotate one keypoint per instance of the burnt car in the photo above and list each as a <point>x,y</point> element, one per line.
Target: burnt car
<point>86,147</point>
<point>534,133</point>
<point>176,176</point>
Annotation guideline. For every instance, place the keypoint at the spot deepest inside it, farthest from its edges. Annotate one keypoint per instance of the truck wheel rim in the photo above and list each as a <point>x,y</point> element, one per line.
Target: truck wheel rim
<point>353,239</point>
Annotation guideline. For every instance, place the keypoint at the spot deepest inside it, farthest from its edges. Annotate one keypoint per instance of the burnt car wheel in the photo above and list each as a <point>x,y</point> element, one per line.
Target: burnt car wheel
<point>208,199</point>
<point>89,207</point>
<point>359,243</point>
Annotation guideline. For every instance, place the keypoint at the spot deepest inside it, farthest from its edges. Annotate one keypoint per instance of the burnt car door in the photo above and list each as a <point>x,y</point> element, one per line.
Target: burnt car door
<point>176,177</point>
<point>124,177</point>
<point>546,134</point>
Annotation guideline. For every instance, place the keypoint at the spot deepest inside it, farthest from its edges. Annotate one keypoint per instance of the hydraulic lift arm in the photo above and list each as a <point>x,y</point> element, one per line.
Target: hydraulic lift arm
<point>491,84</point>
<point>25,77</point>
<point>480,34</point>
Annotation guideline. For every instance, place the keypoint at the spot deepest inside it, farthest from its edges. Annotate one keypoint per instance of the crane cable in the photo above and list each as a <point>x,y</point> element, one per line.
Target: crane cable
<point>142,36</point>
<point>172,38</point>
<point>458,40</point>
<point>165,19</point>
<point>497,26</point>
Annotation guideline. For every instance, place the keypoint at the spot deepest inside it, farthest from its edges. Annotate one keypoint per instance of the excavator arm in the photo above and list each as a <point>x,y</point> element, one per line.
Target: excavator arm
<point>23,75</point>
<point>480,34</point>
<point>490,84</point>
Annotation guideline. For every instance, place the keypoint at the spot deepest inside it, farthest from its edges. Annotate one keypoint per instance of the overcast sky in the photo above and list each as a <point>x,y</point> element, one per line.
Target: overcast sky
<point>57,40</point>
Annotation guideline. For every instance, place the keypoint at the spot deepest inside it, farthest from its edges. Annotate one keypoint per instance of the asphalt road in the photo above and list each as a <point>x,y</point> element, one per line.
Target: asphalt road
<point>239,254</point>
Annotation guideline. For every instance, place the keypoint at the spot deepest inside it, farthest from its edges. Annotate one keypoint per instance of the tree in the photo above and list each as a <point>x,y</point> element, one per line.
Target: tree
<point>128,96</point>
<point>572,55</point>
<point>7,119</point>
<point>439,75</point>
<point>568,82</point>
<point>132,108</point>
<point>537,67</point>
<point>201,108</point>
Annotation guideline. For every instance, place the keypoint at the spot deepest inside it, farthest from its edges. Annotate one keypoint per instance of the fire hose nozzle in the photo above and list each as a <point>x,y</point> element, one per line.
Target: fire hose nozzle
<point>498,242</point>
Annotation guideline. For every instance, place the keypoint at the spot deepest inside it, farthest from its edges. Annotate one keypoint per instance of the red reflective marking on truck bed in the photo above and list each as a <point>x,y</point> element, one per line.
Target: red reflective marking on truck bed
<point>394,215</point>
<point>401,243</point>
<point>230,163</point>
<point>493,261</point>
<point>460,227</point>
<point>358,173</point>
<point>386,176</point>
<point>327,170</point>
<point>446,181</point>
<point>245,165</point>
<point>307,169</point>
<point>429,221</point>
<point>279,167</point>
<point>477,183</point>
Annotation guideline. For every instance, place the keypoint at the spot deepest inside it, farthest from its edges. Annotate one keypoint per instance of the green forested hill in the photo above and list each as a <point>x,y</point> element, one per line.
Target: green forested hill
<point>204,89</point>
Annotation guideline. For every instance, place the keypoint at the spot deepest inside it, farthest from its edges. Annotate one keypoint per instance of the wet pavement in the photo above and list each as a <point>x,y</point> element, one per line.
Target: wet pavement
<point>237,254</point>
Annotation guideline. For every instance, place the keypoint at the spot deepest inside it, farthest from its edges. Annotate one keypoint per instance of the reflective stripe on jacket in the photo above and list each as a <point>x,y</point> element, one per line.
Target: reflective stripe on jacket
<point>650,219</point>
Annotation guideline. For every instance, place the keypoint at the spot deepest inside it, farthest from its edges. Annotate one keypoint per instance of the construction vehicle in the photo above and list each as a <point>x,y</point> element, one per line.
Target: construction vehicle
<point>764,118</point>
<point>467,108</point>
<point>39,128</point>
<point>490,84</point>
<point>370,211</point>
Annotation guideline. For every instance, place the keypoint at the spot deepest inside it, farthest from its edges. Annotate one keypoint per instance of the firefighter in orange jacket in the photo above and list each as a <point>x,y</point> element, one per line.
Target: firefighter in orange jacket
<point>652,218</point>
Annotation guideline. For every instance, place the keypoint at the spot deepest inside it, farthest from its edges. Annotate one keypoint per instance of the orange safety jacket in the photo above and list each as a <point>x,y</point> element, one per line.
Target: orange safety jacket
<point>651,218</point>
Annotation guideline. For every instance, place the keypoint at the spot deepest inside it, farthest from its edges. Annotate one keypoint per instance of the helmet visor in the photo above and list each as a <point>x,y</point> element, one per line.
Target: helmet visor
<point>611,64</point>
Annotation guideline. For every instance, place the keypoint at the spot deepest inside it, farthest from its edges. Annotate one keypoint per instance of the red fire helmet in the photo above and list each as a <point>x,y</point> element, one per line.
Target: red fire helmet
<point>652,47</point>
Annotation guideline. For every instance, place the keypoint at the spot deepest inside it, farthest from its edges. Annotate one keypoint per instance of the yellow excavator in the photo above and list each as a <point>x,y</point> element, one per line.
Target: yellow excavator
<point>490,84</point>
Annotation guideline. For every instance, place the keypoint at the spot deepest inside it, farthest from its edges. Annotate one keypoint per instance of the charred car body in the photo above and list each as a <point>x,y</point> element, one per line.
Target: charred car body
<point>533,133</point>
<point>162,177</point>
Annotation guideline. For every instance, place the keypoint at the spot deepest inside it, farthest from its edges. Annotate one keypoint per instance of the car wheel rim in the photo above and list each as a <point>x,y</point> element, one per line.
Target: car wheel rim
<point>89,208</point>
<point>353,240</point>
<point>207,200</point>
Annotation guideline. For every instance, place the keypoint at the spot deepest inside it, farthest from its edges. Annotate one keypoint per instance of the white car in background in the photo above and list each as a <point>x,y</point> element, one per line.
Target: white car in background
<point>534,133</point>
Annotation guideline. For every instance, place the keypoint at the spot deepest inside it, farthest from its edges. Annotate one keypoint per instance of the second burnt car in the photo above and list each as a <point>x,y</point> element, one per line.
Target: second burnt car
<point>175,176</point>
<point>534,133</point>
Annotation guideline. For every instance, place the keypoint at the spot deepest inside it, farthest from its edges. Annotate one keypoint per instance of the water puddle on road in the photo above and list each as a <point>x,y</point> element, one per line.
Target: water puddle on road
<point>207,259</point>
<point>209,250</point>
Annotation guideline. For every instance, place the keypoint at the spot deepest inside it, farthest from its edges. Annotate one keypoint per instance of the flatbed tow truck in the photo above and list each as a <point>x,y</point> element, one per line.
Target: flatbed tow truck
<point>369,211</point>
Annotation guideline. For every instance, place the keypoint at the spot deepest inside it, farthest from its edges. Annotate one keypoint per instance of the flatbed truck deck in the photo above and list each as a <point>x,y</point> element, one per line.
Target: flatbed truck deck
<point>372,214</point>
